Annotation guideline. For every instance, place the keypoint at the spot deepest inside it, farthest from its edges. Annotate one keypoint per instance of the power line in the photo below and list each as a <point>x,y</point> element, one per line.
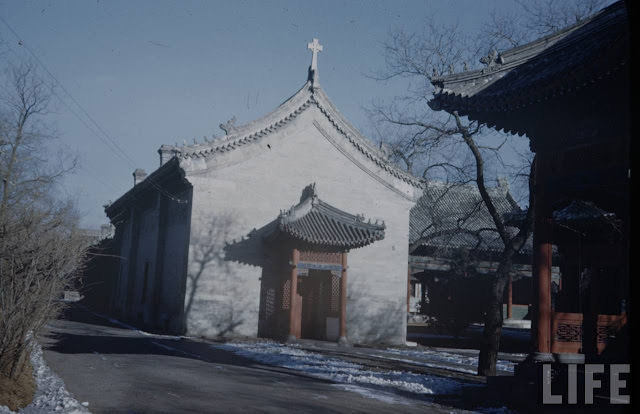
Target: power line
<point>92,173</point>
<point>109,141</point>
<point>58,83</point>
<point>73,111</point>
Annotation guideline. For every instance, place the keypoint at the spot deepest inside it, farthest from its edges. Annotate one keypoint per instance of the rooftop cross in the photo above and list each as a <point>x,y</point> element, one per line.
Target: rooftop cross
<point>314,47</point>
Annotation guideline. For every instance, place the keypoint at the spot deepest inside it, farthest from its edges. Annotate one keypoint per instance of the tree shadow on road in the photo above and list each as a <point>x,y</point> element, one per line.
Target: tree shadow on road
<point>67,343</point>
<point>86,333</point>
<point>104,342</point>
<point>77,312</point>
<point>203,352</point>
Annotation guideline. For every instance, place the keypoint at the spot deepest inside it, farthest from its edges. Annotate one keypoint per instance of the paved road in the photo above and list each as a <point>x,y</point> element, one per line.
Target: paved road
<point>123,371</point>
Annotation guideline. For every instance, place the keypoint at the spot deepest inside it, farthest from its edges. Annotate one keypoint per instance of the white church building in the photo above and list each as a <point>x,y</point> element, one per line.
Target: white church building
<point>291,226</point>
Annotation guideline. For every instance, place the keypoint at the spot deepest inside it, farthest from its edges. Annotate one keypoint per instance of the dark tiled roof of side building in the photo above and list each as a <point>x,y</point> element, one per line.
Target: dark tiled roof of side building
<point>452,216</point>
<point>581,54</point>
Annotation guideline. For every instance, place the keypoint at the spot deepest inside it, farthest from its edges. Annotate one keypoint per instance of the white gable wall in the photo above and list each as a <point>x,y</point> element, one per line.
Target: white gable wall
<point>247,187</point>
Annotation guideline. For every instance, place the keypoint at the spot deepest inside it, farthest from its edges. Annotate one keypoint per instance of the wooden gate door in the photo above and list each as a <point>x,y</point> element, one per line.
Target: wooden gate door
<point>307,289</point>
<point>315,290</point>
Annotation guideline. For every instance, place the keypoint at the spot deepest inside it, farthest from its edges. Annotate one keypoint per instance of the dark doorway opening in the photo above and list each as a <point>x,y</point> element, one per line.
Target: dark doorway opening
<point>317,319</point>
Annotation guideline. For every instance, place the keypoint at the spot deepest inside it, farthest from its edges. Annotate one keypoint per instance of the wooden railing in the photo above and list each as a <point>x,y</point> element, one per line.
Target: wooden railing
<point>566,330</point>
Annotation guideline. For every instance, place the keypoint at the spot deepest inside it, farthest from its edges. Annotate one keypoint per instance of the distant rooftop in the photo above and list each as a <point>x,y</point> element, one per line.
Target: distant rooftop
<point>450,216</point>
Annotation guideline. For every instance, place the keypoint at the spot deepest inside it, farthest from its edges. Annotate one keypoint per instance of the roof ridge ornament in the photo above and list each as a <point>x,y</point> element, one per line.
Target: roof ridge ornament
<point>314,47</point>
<point>229,127</point>
<point>492,61</point>
<point>503,183</point>
<point>309,192</point>
<point>385,150</point>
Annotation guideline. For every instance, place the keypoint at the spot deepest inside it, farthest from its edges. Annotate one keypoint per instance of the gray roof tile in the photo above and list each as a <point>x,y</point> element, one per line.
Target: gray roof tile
<point>454,216</point>
<point>545,68</point>
<point>316,222</point>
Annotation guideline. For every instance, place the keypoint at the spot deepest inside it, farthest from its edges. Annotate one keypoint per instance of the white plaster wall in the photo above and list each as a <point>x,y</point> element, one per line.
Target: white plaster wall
<point>247,188</point>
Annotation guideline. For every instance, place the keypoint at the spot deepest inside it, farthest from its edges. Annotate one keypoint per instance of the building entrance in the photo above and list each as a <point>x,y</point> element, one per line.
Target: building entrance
<point>320,300</point>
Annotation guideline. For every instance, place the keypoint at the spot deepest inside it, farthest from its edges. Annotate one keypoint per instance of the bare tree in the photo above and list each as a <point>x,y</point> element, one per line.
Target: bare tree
<point>536,18</point>
<point>207,248</point>
<point>40,246</point>
<point>209,274</point>
<point>452,148</point>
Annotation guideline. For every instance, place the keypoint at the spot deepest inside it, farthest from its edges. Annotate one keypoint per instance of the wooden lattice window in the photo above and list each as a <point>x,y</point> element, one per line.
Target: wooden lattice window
<point>569,332</point>
<point>286,295</point>
<point>267,303</point>
<point>334,307</point>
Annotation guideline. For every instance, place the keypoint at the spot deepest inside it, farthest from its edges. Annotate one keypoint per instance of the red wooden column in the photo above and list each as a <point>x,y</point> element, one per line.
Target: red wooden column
<point>542,259</point>
<point>510,298</point>
<point>343,301</point>
<point>293,279</point>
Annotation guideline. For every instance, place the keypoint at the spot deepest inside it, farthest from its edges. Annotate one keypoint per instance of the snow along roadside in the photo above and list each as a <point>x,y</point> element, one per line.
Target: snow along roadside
<point>51,395</point>
<point>341,371</point>
<point>445,360</point>
<point>380,384</point>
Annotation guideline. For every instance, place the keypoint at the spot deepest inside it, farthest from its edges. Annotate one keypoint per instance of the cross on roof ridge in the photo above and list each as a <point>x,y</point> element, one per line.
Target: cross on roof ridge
<point>314,47</point>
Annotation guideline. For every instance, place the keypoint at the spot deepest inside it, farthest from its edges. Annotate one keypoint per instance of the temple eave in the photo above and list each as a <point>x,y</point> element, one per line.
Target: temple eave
<point>333,239</point>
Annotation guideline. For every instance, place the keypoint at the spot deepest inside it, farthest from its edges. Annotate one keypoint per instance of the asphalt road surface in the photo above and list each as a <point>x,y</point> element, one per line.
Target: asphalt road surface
<point>120,370</point>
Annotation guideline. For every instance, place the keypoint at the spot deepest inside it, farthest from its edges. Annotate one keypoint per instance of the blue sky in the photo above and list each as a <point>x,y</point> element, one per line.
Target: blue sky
<point>159,72</point>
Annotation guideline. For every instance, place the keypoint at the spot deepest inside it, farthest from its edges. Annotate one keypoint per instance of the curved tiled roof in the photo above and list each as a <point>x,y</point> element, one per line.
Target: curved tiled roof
<point>554,65</point>
<point>454,216</point>
<point>246,134</point>
<point>588,219</point>
<point>579,210</point>
<point>307,96</point>
<point>316,222</point>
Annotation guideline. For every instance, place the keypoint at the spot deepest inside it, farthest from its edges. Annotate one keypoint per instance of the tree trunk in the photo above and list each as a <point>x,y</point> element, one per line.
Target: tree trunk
<point>493,320</point>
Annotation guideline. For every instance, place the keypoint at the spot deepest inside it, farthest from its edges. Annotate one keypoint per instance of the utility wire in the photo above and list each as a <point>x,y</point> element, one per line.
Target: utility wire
<point>91,172</point>
<point>58,83</point>
<point>109,141</point>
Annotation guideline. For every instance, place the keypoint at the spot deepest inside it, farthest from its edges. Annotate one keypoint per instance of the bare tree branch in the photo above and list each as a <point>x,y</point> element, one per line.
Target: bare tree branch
<point>453,149</point>
<point>41,249</point>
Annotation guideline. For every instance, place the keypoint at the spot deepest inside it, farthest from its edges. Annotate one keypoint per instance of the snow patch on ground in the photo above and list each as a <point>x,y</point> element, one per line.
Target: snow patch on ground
<point>447,360</point>
<point>51,395</point>
<point>133,328</point>
<point>124,325</point>
<point>373,394</point>
<point>341,371</point>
